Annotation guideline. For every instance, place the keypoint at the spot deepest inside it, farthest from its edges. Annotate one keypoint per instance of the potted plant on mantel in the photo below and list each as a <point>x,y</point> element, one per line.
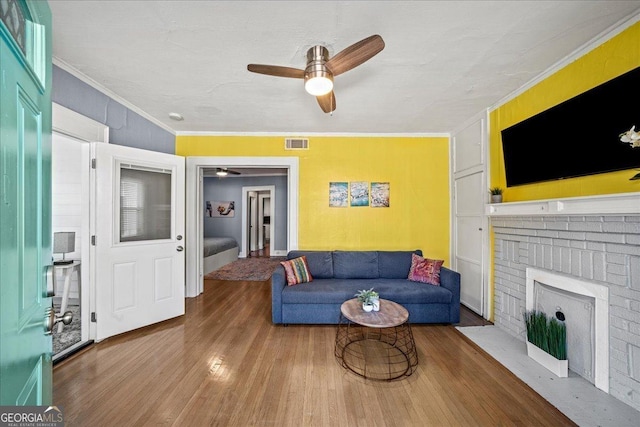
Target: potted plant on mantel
<point>369,299</point>
<point>496,194</point>
<point>547,342</point>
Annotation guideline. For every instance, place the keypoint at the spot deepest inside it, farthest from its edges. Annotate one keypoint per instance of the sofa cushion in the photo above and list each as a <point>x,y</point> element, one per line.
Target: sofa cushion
<point>320,262</point>
<point>296,271</point>
<point>337,291</point>
<point>395,264</point>
<point>425,270</point>
<point>355,264</point>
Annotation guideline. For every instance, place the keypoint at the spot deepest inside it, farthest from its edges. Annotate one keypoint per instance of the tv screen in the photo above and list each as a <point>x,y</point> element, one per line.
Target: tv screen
<point>577,137</point>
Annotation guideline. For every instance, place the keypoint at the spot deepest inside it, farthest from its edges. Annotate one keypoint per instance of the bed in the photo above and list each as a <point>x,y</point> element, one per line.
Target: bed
<point>218,251</point>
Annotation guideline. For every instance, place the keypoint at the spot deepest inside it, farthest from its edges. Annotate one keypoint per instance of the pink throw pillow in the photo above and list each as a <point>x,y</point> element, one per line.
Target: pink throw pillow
<point>425,270</point>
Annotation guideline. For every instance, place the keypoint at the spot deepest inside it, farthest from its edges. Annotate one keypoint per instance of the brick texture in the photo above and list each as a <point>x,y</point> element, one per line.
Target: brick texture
<point>600,249</point>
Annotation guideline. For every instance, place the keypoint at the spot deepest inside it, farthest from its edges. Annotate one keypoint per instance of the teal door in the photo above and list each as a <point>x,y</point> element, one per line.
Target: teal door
<point>25,202</point>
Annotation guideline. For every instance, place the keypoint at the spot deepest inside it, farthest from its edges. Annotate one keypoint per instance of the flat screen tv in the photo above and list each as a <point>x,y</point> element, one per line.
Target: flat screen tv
<point>577,137</point>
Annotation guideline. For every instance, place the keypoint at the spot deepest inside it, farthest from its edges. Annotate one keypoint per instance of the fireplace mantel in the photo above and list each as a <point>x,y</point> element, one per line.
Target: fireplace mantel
<point>610,204</point>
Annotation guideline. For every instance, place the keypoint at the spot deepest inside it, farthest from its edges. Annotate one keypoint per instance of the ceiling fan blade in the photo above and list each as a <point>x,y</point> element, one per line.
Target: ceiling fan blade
<point>225,171</point>
<point>327,102</point>
<point>275,70</point>
<point>355,55</point>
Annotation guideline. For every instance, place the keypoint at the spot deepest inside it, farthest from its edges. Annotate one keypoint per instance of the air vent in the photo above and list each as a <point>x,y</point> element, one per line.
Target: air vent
<point>296,144</point>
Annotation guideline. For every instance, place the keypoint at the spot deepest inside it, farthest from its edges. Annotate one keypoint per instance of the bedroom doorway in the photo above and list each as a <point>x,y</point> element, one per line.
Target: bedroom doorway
<point>195,208</point>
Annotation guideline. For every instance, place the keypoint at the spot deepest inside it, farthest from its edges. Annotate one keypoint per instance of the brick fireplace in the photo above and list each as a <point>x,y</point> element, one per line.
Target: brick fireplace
<point>596,240</point>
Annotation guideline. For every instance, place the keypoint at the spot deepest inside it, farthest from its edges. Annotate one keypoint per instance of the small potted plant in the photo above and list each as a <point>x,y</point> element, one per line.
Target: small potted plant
<point>369,298</point>
<point>496,194</point>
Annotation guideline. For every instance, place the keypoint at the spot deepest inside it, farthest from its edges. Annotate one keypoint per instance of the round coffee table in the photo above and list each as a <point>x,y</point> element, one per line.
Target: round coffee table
<point>376,345</point>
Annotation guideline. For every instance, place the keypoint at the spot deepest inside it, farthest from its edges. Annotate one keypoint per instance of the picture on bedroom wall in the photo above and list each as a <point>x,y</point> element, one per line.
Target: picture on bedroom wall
<point>359,193</point>
<point>338,194</point>
<point>219,209</point>
<point>380,194</point>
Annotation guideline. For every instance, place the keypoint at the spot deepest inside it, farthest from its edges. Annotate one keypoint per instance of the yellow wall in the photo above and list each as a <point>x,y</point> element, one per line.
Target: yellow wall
<point>416,168</point>
<point>611,59</point>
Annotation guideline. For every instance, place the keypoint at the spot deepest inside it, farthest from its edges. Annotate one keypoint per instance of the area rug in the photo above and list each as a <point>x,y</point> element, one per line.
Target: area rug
<point>71,332</point>
<point>249,269</point>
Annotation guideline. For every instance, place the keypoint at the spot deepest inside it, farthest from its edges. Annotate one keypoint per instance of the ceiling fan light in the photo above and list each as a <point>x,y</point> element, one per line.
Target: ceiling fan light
<point>222,172</point>
<point>317,79</point>
<point>319,85</point>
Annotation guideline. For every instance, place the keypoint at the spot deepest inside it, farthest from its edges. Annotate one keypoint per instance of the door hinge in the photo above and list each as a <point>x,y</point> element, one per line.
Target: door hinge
<point>93,240</point>
<point>93,163</point>
<point>94,318</point>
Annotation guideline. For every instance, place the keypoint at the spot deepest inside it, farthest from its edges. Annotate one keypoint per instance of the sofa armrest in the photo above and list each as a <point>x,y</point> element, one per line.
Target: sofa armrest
<point>278,282</point>
<point>450,280</point>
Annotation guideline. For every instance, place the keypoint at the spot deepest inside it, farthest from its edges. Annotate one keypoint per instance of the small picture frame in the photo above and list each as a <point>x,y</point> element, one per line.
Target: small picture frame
<point>338,194</point>
<point>359,193</point>
<point>379,194</point>
<point>214,209</point>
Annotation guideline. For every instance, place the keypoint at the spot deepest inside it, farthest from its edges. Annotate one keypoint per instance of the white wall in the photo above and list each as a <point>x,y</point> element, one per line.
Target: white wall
<point>67,197</point>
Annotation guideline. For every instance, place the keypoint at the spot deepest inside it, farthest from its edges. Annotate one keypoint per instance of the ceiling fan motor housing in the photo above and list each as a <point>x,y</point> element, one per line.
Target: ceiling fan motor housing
<point>317,71</point>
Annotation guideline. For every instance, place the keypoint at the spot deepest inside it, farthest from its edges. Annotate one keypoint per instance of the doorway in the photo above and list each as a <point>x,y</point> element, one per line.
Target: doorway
<point>259,207</point>
<point>195,207</point>
<point>70,213</point>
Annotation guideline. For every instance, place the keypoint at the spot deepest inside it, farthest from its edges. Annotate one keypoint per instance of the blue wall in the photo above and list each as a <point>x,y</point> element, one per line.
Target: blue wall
<point>125,126</point>
<point>230,189</point>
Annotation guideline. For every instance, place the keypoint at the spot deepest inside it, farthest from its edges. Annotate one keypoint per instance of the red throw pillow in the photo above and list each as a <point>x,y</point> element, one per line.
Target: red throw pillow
<point>425,270</point>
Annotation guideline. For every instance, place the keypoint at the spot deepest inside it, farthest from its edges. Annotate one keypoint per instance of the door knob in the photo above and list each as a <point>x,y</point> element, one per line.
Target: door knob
<point>179,248</point>
<point>51,319</point>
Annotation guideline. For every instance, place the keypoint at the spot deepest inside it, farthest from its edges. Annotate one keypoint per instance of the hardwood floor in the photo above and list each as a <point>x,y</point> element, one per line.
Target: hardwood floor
<point>225,364</point>
<point>260,253</point>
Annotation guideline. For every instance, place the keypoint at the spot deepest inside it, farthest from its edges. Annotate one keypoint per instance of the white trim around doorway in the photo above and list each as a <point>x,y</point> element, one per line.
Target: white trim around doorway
<point>194,208</point>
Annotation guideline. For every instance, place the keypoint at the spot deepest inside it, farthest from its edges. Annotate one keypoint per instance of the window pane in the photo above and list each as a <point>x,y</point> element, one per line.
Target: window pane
<point>12,16</point>
<point>145,205</point>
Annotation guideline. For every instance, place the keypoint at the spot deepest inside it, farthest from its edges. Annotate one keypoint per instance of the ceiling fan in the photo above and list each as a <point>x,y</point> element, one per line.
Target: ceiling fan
<point>225,172</point>
<point>320,70</point>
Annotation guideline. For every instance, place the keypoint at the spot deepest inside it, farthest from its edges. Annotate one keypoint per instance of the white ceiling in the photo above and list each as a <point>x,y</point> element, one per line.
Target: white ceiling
<point>444,61</point>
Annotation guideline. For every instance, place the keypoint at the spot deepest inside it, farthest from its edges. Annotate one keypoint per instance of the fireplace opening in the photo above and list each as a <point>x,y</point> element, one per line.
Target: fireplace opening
<point>585,308</point>
<point>578,313</point>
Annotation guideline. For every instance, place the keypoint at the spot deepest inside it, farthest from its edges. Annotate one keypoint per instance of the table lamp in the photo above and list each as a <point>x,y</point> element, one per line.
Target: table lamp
<point>63,243</point>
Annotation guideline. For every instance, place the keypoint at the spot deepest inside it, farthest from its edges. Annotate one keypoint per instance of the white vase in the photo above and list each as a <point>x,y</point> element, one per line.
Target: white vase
<point>367,307</point>
<point>558,367</point>
<point>496,198</point>
<point>376,304</point>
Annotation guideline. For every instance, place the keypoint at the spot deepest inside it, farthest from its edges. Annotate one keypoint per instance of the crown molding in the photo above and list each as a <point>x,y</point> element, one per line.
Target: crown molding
<point>605,36</point>
<point>97,86</point>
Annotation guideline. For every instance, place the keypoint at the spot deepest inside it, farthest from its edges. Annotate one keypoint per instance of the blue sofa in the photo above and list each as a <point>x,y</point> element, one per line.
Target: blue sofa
<point>338,275</point>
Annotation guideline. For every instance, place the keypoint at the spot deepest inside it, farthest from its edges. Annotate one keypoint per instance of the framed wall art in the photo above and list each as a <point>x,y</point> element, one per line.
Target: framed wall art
<point>338,194</point>
<point>215,209</point>
<point>380,194</point>
<point>360,193</point>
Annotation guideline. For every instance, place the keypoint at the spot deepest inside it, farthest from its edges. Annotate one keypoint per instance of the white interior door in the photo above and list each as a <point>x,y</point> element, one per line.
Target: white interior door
<point>469,231</point>
<point>469,196</point>
<point>139,246</point>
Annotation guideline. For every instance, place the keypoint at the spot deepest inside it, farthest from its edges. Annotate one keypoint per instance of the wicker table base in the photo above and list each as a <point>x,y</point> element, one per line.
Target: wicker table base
<point>376,345</point>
